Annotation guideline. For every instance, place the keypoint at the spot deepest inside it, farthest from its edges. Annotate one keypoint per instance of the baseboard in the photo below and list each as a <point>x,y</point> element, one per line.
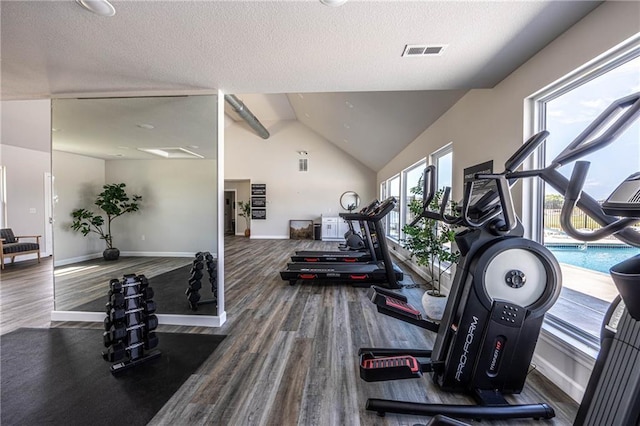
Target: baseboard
<point>69,261</point>
<point>159,253</point>
<point>269,237</point>
<point>168,319</point>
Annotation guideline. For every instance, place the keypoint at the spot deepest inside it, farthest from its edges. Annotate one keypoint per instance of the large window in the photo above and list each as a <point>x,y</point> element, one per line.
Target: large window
<point>443,160</point>
<point>393,190</point>
<point>411,179</point>
<point>565,111</point>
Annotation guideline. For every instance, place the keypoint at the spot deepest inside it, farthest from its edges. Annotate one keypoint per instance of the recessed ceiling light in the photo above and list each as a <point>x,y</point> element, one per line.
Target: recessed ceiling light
<point>193,146</point>
<point>333,3</point>
<point>145,126</point>
<point>307,115</point>
<point>346,126</point>
<point>171,152</point>
<point>53,129</point>
<point>349,104</point>
<point>99,7</point>
<point>117,155</point>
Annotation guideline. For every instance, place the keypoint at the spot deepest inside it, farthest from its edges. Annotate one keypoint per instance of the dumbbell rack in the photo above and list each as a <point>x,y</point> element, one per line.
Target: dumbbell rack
<point>129,323</point>
<point>195,281</point>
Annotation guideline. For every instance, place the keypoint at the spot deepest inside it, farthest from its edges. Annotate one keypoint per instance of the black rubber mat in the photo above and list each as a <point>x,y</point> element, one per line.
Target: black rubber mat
<point>58,377</point>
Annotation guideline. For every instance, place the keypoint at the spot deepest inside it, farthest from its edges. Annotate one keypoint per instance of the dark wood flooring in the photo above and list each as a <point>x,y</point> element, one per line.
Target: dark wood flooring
<point>290,357</point>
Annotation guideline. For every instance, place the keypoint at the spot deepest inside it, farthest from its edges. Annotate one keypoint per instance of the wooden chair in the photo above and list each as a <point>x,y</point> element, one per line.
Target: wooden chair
<point>11,246</point>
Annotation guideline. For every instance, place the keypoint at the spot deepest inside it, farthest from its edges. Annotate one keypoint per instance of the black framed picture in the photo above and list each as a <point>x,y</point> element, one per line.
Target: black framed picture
<point>258,202</point>
<point>259,189</point>
<point>258,214</point>
<point>301,229</point>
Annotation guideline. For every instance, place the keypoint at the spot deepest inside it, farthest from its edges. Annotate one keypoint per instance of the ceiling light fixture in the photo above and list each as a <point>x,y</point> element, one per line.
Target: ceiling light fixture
<point>99,7</point>
<point>146,126</point>
<point>333,3</point>
<point>303,152</point>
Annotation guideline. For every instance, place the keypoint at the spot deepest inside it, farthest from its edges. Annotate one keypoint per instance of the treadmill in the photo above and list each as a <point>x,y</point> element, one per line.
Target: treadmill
<point>368,254</point>
<point>380,271</point>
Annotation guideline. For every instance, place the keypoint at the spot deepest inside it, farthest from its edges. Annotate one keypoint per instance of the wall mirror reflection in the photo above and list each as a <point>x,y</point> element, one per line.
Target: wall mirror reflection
<point>163,150</point>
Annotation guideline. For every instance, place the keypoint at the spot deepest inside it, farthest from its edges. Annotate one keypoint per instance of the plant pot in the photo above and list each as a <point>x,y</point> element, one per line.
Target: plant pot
<point>111,254</point>
<point>247,232</point>
<point>434,305</point>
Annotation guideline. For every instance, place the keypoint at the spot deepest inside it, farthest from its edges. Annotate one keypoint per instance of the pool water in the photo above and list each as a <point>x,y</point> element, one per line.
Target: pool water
<point>594,258</point>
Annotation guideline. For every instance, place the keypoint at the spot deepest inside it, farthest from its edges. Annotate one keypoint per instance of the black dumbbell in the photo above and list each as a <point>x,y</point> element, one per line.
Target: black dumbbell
<point>193,299</point>
<point>151,323</point>
<point>136,351</point>
<point>151,341</point>
<point>194,285</point>
<point>116,300</point>
<point>115,353</point>
<point>114,334</point>
<point>115,286</point>
<point>107,323</point>
<point>116,314</point>
<point>147,293</point>
<point>149,307</point>
<point>143,280</point>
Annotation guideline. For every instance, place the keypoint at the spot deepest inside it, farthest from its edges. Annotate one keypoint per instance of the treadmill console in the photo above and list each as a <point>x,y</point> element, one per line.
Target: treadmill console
<point>625,200</point>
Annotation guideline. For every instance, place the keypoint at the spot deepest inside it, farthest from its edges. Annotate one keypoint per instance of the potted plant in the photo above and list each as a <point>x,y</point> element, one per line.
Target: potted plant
<point>245,211</point>
<point>114,202</point>
<point>430,241</point>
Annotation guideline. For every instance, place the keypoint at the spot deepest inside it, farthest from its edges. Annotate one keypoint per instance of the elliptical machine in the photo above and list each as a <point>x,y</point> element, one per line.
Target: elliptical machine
<point>503,286</point>
<point>492,319</point>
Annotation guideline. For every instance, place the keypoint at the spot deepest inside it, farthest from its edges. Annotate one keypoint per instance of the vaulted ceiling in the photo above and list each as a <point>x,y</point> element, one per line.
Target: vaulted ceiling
<point>338,70</point>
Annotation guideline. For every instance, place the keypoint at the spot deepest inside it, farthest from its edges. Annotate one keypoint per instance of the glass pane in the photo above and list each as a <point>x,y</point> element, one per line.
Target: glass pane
<point>413,182</point>
<point>587,287</point>
<point>394,217</point>
<point>445,170</point>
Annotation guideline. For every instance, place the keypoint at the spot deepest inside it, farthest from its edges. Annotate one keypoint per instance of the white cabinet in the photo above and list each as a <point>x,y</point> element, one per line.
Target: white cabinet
<point>333,228</point>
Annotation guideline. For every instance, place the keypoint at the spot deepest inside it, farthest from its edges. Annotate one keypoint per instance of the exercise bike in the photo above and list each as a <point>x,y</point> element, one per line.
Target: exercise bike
<point>502,288</point>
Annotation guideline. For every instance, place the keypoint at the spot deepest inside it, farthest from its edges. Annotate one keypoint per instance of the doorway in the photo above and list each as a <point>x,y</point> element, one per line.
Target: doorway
<point>230,212</point>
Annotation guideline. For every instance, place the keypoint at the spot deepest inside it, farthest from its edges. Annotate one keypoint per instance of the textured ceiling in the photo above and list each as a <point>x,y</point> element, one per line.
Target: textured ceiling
<point>56,48</point>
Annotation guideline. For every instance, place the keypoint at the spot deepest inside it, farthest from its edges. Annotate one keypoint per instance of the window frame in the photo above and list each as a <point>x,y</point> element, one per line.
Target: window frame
<point>435,156</point>
<point>404,201</point>
<point>387,220</point>
<point>533,190</point>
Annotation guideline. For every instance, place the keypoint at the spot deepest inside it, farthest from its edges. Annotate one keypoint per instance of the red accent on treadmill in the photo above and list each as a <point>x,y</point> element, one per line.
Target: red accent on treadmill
<point>393,361</point>
<point>307,276</point>
<point>403,306</point>
<point>311,259</point>
<point>349,259</point>
<point>358,277</point>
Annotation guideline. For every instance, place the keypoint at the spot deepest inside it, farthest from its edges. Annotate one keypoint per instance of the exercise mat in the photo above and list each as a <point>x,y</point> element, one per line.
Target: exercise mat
<point>57,376</point>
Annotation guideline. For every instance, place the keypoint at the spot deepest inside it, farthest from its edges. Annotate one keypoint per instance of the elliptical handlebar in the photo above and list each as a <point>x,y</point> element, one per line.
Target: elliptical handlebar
<point>574,191</point>
<point>618,117</point>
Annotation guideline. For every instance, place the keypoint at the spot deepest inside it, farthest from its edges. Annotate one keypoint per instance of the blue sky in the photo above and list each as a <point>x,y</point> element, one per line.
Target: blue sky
<point>571,113</point>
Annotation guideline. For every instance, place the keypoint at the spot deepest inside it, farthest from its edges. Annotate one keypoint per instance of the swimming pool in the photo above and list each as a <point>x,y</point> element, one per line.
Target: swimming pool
<point>594,258</point>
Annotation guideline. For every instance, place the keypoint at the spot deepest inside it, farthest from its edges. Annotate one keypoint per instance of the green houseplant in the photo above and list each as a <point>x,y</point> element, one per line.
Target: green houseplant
<point>245,211</point>
<point>430,241</point>
<point>114,202</point>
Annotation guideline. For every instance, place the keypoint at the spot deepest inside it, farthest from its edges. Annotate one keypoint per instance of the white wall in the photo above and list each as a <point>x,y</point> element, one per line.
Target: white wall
<point>292,194</point>
<point>178,210</point>
<point>25,151</point>
<point>77,181</point>
<point>492,123</point>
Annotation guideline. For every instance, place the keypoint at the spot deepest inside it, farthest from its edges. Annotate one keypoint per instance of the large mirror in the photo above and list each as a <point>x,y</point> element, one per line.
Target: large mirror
<point>163,149</point>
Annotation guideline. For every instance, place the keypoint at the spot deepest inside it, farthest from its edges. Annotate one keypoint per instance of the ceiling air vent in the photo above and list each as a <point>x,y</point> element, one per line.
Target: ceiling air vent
<point>303,165</point>
<point>423,50</point>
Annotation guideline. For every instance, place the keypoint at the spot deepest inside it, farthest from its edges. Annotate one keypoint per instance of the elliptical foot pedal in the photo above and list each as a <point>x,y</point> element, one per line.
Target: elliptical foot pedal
<point>374,369</point>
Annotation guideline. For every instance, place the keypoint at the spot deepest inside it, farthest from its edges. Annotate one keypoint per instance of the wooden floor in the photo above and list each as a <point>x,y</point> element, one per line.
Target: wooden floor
<point>290,357</point>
